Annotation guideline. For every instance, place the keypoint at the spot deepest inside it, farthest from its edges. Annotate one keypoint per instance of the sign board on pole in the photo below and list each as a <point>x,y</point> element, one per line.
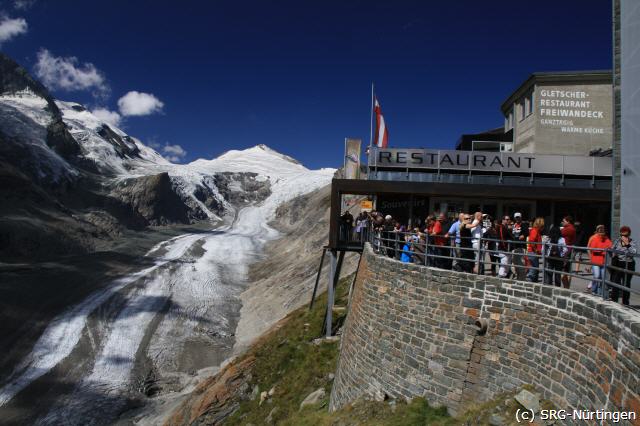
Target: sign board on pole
<point>366,205</point>
<point>352,158</point>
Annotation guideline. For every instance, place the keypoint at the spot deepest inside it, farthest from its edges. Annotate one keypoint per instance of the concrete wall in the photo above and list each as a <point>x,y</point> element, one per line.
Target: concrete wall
<point>576,136</point>
<point>551,129</point>
<point>524,130</point>
<point>410,332</point>
<point>548,130</point>
<point>616,173</point>
<point>630,115</point>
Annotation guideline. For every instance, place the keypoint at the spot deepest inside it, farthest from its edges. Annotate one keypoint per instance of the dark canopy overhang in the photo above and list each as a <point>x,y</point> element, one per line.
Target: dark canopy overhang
<point>340,187</point>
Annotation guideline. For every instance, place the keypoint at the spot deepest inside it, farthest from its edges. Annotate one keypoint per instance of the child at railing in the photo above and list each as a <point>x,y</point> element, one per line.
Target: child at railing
<point>419,246</point>
<point>407,250</point>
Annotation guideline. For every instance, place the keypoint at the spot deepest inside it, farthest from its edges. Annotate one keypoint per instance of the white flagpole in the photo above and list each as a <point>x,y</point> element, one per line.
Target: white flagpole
<point>372,106</point>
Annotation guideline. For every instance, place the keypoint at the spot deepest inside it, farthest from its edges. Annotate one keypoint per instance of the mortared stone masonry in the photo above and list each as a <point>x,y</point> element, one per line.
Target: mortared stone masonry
<point>415,331</point>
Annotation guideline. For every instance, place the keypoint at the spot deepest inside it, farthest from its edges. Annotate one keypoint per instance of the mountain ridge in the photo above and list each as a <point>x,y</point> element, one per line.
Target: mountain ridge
<point>100,181</point>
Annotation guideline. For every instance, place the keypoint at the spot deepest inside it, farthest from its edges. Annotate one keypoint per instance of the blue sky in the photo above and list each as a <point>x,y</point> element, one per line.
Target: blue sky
<point>297,75</point>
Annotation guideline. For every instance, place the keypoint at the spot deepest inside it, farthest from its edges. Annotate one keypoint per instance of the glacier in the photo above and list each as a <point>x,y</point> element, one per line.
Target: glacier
<point>192,275</point>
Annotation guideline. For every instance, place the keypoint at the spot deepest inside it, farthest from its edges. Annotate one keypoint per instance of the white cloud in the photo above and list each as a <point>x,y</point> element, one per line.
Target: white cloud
<point>23,4</point>
<point>138,103</point>
<point>174,153</point>
<point>109,117</point>
<point>67,74</point>
<point>9,28</point>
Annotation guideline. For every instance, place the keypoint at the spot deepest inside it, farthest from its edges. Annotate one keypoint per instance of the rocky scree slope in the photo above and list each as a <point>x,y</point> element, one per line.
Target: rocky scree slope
<point>284,276</point>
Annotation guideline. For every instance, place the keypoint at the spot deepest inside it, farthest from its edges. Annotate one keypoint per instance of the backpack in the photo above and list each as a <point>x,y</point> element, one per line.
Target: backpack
<point>554,252</point>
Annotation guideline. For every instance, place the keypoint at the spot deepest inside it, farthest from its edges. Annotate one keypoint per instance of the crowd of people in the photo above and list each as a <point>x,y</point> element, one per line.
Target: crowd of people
<point>512,247</point>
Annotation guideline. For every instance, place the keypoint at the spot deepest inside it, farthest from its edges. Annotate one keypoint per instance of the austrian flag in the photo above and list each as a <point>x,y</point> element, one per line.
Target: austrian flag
<point>382,135</point>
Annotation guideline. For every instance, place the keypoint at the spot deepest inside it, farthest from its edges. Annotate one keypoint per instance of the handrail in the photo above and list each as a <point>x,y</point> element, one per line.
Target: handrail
<point>423,247</point>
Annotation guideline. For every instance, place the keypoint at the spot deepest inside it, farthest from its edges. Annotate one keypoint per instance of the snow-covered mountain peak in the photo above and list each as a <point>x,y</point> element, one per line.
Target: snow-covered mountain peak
<point>274,152</point>
<point>288,178</point>
<point>32,105</point>
<point>108,146</point>
<point>61,141</point>
<point>259,159</point>
<point>75,113</point>
<point>25,94</point>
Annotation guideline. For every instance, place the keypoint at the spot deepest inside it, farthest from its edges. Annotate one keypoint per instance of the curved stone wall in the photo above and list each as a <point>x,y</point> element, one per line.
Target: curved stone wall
<point>411,331</point>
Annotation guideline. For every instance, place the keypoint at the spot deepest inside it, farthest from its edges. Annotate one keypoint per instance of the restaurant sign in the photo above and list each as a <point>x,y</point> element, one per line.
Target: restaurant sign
<point>488,161</point>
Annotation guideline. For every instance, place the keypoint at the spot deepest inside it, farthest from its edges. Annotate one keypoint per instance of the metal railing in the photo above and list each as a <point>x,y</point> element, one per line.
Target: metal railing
<point>521,260</point>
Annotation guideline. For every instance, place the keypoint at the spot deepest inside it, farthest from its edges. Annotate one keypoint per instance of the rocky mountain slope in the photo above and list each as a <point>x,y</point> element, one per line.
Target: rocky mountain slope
<point>121,274</point>
<point>284,277</point>
<point>71,183</point>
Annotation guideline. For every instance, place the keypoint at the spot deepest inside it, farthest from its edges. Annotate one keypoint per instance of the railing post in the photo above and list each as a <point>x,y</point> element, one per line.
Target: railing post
<point>395,245</point>
<point>330,293</point>
<point>604,274</point>
<point>371,237</point>
<point>426,250</point>
<point>479,254</point>
<point>543,262</point>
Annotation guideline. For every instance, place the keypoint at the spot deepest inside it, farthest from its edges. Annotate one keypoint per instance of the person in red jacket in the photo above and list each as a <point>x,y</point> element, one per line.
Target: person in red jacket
<point>534,248</point>
<point>598,244</point>
<point>569,234</point>
<point>440,240</point>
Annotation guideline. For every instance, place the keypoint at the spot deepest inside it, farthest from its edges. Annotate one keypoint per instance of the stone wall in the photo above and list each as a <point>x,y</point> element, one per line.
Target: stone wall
<point>411,331</point>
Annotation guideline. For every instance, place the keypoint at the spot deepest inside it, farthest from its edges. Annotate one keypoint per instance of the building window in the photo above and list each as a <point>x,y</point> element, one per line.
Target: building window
<point>525,106</point>
<point>493,146</point>
<point>508,120</point>
<point>506,146</point>
<point>529,104</point>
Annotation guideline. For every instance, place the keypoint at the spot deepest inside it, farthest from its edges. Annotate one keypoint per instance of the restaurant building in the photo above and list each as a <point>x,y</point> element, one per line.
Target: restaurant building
<point>566,113</point>
<point>551,158</point>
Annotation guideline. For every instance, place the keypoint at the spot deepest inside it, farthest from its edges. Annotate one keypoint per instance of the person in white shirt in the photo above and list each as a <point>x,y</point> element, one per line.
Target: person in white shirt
<point>477,230</point>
